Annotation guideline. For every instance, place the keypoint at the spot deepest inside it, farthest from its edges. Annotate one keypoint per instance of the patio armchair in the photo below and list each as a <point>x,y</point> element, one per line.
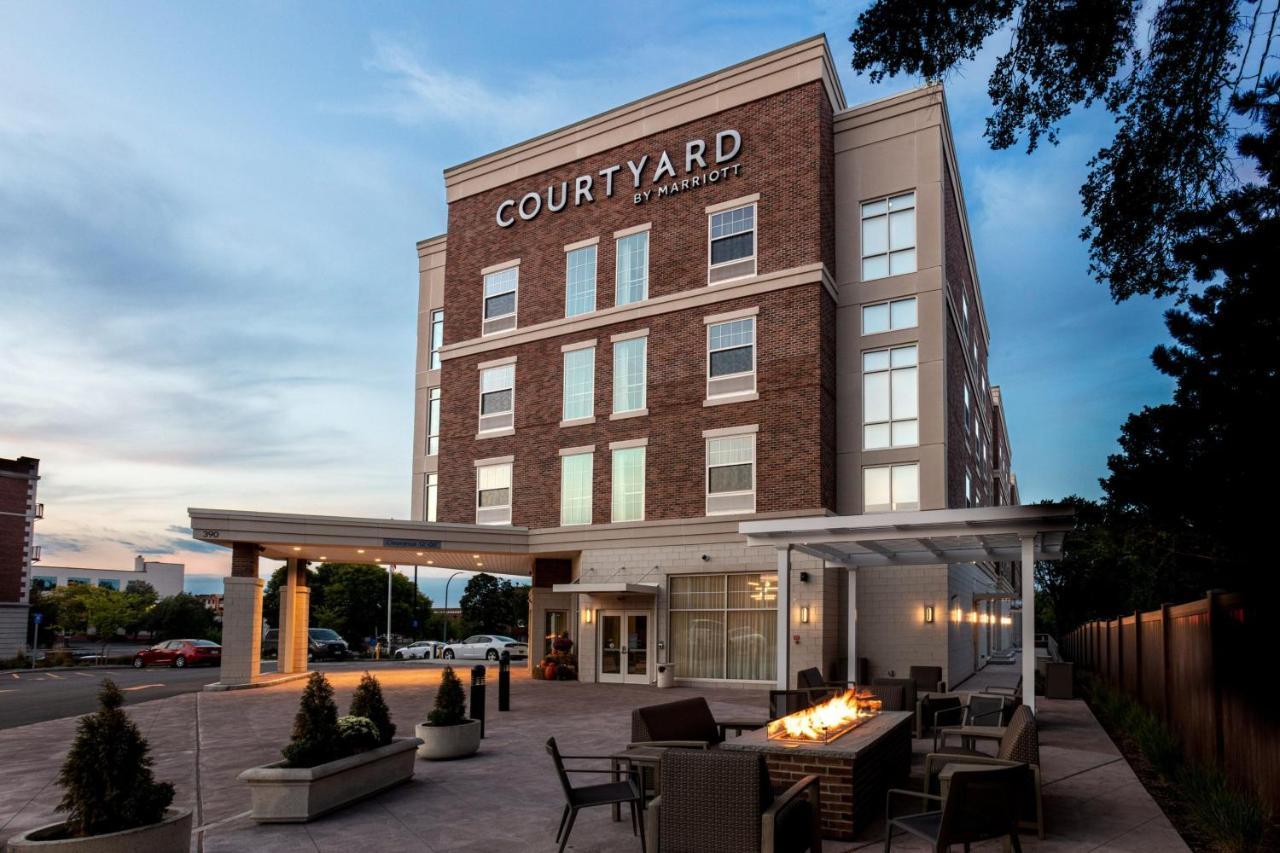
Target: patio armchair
<point>722,802</point>
<point>1017,744</point>
<point>928,679</point>
<point>811,688</point>
<point>614,792</point>
<point>687,723</point>
<point>979,711</point>
<point>980,805</point>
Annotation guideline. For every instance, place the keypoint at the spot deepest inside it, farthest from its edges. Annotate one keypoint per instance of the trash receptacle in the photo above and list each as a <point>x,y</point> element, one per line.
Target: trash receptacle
<point>666,675</point>
<point>1058,677</point>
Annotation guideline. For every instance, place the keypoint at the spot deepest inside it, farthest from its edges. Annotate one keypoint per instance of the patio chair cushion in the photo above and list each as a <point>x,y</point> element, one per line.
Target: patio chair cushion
<point>686,719</point>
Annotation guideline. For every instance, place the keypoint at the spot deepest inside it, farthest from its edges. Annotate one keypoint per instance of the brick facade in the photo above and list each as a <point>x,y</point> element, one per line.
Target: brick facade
<point>17,504</point>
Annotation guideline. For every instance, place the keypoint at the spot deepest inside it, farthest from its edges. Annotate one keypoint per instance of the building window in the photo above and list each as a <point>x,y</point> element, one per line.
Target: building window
<point>575,488</point>
<point>557,623</point>
<point>732,250</point>
<point>493,494</point>
<point>889,236</point>
<point>437,337</point>
<point>103,583</point>
<point>890,404</point>
<point>724,626</point>
<point>633,268</point>
<point>630,375</point>
<point>432,496</point>
<point>497,398</point>
<point>887,488</point>
<point>968,489</point>
<point>579,383</point>
<point>43,584</point>
<point>889,316</point>
<point>580,281</point>
<point>628,484</point>
<point>731,357</point>
<point>77,581</point>
<point>731,474</point>
<point>433,422</point>
<point>500,294</point>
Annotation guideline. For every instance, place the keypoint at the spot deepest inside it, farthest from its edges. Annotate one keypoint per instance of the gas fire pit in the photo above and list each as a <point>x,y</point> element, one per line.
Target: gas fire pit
<point>825,721</point>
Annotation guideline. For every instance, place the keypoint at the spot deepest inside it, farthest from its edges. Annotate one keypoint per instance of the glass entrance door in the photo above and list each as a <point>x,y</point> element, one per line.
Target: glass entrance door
<point>624,646</point>
<point>611,647</point>
<point>636,653</point>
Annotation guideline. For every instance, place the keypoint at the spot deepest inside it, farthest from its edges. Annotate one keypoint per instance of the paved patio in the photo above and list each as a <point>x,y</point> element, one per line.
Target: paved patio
<point>507,795</point>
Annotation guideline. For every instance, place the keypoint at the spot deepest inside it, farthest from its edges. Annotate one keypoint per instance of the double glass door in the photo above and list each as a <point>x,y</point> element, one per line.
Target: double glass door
<point>624,646</point>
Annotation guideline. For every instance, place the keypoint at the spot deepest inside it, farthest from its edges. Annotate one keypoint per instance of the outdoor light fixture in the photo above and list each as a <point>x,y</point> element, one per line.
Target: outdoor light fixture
<point>804,615</point>
<point>297,547</point>
<point>359,550</point>
<point>928,614</point>
<point>586,615</point>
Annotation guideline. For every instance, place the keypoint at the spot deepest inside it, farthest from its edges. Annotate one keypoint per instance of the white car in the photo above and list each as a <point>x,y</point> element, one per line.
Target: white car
<point>424,649</point>
<point>486,646</point>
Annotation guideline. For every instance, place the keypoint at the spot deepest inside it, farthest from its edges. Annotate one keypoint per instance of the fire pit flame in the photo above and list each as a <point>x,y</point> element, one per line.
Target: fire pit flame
<point>827,720</point>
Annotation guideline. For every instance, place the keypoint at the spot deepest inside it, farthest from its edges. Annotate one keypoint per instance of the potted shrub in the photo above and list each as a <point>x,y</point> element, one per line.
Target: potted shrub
<point>448,733</point>
<point>331,762</point>
<point>111,800</point>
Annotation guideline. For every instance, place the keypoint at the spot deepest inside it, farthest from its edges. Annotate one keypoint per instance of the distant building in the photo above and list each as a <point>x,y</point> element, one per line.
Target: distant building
<point>18,514</point>
<point>166,578</point>
<point>212,602</point>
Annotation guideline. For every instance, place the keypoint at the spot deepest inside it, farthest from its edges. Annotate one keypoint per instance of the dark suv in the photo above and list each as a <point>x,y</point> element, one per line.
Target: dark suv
<point>323,644</point>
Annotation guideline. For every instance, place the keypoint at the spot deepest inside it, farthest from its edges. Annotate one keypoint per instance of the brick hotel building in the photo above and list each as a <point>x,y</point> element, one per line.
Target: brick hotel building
<point>737,299</point>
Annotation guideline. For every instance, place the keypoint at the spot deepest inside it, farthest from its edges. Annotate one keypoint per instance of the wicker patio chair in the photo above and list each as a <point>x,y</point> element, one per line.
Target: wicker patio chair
<point>980,805</point>
<point>979,711</point>
<point>721,802</point>
<point>1018,743</point>
<point>686,723</point>
<point>603,794</point>
<point>811,688</point>
<point>928,679</point>
<point>908,691</point>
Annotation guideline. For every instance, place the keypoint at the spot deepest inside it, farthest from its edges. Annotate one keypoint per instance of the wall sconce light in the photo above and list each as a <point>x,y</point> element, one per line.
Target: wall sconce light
<point>928,614</point>
<point>586,616</point>
<point>804,615</point>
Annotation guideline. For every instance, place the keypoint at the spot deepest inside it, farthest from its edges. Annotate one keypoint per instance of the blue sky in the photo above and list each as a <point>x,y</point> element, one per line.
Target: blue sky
<point>207,224</point>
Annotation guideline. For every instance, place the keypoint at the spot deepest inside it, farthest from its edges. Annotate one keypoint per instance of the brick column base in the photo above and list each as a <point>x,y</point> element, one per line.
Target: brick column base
<point>241,630</point>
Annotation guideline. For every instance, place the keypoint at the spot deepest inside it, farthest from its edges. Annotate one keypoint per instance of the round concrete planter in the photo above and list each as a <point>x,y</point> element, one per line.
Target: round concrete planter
<point>171,835</point>
<point>442,743</point>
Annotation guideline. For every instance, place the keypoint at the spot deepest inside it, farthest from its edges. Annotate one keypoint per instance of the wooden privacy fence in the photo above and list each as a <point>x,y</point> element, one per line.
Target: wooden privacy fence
<point>1208,670</point>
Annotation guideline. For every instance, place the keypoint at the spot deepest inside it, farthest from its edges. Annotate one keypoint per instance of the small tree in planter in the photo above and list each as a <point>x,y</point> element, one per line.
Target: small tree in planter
<point>448,733</point>
<point>368,703</point>
<point>316,738</point>
<point>451,703</point>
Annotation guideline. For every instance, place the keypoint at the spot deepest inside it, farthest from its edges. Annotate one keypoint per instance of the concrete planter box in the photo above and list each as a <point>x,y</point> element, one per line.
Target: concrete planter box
<point>171,835</point>
<point>442,743</point>
<point>282,794</point>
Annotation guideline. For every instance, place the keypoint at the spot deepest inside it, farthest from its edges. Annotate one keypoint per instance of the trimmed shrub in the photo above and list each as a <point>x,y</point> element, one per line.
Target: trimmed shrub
<point>451,706</point>
<point>107,774</point>
<point>315,729</point>
<point>1235,822</point>
<point>368,703</point>
<point>358,734</point>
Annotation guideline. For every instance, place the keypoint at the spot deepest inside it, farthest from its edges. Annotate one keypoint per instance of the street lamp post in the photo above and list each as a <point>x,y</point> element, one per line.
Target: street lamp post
<point>445,612</point>
<point>391,570</point>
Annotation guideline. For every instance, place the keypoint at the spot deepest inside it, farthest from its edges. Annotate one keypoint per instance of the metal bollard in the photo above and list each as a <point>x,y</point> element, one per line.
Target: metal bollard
<point>504,682</point>
<point>477,696</point>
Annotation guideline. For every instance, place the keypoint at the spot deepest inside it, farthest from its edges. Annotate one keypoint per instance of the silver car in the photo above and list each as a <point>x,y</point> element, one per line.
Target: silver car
<point>486,647</point>
<point>420,650</point>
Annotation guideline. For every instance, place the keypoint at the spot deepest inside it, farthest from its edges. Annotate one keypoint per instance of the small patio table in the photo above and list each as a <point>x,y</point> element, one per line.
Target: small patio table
<point>645,758</point>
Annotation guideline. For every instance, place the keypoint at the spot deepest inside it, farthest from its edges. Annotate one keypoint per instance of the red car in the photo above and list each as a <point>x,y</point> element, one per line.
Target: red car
<point>180,653</point>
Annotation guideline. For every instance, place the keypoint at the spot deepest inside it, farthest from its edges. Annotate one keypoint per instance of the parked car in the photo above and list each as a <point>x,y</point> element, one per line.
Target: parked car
<point>322,644</point>
<point>489,646</point>
<point>180,653</point>
<point>425,649</point>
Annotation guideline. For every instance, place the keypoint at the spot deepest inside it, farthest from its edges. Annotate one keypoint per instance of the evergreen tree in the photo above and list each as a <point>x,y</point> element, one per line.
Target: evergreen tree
<point>107,774</point>
<point>451,707</point>
<point>368,703</point>
<point>315,728</point>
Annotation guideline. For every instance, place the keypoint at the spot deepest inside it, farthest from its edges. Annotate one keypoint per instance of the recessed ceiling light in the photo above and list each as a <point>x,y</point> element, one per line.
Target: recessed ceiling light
<point>475,556</point>
<point>419,553</point>
<point>359,550</point>
<point>323,557</point>
<point>431,562</point>
<point>297,547</point>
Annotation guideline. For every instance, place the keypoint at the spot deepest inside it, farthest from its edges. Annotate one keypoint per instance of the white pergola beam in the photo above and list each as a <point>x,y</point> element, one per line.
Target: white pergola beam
<point>1029,622</point>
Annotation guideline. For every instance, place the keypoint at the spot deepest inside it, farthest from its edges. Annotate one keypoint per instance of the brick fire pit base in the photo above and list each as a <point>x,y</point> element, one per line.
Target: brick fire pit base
<point>854,770</point>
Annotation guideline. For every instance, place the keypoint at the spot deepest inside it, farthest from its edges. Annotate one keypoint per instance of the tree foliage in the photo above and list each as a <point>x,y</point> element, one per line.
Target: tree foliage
<point>493,605</point>
<point>181,616</point>
<point>368,702</point>
<point>351,599</point>
<point>315,739</point>
<point>1170,97</point>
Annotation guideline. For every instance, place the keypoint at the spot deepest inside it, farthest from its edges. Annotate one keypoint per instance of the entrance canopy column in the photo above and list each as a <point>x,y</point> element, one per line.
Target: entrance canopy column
<point>1029,621</point>
<point>242,617</point>
<point>295,618</point>
<point>784,618</point>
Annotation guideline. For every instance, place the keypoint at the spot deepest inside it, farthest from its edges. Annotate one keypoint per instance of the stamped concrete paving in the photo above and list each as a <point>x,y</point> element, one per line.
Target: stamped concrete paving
<point>506,797</point>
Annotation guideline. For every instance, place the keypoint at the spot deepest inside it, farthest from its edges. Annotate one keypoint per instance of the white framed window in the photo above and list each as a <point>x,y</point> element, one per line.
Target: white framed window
<point>628,484</point>
<point>437,337</point>
<point>731,249</point>
<point>501,294</point>
<point>632,283</point>
<point>497,397</point>
<point>889,316</point>
<point>575,488</point>
<point>891,488</point>
<point>731,357</point>
<point>580,281</point>
<point>968,489</point>
<point>724,625</point>
<point>964,310</point>
<point>889,236</point>
<point>890,398</point>
<point>579,383</point>
<point>731,472</point>
<point>430,499</point>
<point>493,493</point>
<point>433,422</point>
<point>630,375</point>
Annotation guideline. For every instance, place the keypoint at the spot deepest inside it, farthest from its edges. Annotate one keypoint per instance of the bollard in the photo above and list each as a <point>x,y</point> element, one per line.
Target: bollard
<point>504,682</point>
<point>477,696</point>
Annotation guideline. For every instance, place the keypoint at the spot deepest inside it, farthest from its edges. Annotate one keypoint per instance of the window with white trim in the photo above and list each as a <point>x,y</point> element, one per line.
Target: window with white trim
<point>731,357</point>
<point>493,493</point>
<point>731,474</point>
<point>579,383</point>
<point>632,283</point>
<point>732,244</point>
<point>890,398</point>
<point>575,488</point>
<point>433,422</point>
<point>630,375</point>
<point>889,316</point>
<point>497,397</point>
<point>580,281</point>
<point>891,488</point>
<point>430,498</point>
<point>437,337</point>
<point>889,236</point>
<point>628,484</point>
<point>500,296</point>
